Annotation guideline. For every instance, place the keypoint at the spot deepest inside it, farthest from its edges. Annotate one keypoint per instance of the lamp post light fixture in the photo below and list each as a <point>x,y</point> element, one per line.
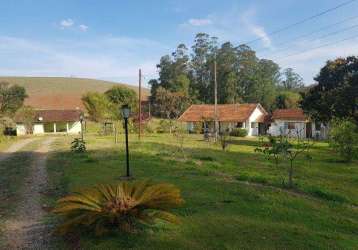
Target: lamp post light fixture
<point>81,120</point>
<point>125,114</point>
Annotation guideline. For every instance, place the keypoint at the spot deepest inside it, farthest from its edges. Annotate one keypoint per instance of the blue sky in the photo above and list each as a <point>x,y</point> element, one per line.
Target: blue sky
<point>111,39</point>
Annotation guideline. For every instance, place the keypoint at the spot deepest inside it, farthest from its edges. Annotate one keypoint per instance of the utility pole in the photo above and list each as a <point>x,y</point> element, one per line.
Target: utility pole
<point>216,102</point>
<point>140,105</point>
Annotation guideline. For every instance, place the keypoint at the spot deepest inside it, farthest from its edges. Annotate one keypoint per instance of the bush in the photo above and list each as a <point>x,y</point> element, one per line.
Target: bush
<point>238,132</point>
<point>344,138</point>
<point>121,207</point>
<point>165,126</point>
<point>78,145</point>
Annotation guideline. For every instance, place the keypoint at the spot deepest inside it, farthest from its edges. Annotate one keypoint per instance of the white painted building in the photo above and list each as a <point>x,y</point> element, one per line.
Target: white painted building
<point>52,121</point>
<point>293,122</point>
<point>247,116</point>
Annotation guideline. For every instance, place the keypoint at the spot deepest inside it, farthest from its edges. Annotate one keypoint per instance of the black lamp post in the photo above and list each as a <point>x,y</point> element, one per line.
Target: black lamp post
<point>81,120</point>
<point>125,113</point>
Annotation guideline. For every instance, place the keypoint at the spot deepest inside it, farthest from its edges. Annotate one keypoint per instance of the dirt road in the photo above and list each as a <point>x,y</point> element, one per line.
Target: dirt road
<point>26,230</point>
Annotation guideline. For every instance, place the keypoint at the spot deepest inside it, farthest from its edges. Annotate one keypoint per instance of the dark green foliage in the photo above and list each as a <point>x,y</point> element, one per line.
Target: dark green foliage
<point>120,95</point>
<point>344,138</point>
<point>324,194</point>
<point>287,100</point>
<point>336,94</point>
<point>238,132</point>
<point>242,76</point>
<point>78,145</point>
<point>11,98</point>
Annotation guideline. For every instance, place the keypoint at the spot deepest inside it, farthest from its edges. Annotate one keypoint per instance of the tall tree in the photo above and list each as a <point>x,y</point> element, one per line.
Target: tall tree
<point>336,94</point>
<point>227,72</point>
<point>11,98</point>
<point>120,95</point>
<point>202,58</point>
<point>291,80</point>
<point>263,85</point>
<point>98,106</point>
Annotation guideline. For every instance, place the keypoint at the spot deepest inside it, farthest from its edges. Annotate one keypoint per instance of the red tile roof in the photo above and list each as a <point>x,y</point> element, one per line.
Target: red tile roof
<point>289,114</point>
<point>59,115</point>
<point>55,116</point>
<point>226,112</point>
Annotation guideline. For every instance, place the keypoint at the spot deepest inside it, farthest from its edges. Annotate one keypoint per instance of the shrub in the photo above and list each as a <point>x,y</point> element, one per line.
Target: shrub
<point>344,138</point>
<point>78,145</point>
<point>165,126</point>
<point>198,128</point>
<point>121,207</point>
<point>238,132</point>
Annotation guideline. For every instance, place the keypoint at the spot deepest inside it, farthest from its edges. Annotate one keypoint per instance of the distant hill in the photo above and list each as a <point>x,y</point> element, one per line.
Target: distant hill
<point>61,92</point>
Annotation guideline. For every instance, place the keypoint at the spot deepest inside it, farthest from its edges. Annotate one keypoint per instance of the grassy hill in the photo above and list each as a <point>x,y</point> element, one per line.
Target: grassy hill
<point>61,92</point>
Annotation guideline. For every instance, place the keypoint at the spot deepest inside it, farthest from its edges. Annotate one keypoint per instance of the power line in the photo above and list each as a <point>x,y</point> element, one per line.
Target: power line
<point>320,37</point>
<point>318,47</point>
<point>302,21</point>
<point>312,32</point>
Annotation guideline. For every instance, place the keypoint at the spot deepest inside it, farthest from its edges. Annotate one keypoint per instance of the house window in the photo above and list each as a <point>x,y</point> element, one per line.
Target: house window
<point>239,125</point>
<point>291,125</point>
<point>253,124</point>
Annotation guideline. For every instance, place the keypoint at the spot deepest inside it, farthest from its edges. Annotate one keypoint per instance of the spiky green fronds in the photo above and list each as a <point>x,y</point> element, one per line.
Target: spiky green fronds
<point>121,206</point>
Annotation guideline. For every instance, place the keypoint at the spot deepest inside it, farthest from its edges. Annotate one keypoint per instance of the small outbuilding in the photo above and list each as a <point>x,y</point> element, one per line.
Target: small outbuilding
<point>293,122</point>
<point>249,116</point>
<point>52,122</point>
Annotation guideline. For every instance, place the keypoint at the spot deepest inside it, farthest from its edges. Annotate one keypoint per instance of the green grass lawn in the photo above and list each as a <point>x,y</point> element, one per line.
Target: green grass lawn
<point>233,199</point>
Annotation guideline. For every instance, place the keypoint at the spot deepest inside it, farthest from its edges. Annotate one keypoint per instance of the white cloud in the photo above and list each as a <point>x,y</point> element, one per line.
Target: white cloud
<point>261,33</point>
<point>199,22</point>
<point>67,23</point>
<point>83,27</point>
<point>255,29</point>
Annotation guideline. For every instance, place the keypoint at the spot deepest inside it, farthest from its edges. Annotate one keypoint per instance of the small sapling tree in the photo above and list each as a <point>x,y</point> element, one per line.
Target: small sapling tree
<point>224,139</point>
<point>288,149</point>
<point>78,145</point>
<point>344,138</point>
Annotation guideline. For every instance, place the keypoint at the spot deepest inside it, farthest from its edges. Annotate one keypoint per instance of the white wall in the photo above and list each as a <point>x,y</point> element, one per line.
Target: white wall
<point>74,127</point>
<point>278,127</point>
<point>38,128</point>
<point>20,129</point>
<point>253,131</point>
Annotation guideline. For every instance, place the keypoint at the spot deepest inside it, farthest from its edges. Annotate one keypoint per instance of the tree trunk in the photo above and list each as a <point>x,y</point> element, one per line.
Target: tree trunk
<point>290,175</point>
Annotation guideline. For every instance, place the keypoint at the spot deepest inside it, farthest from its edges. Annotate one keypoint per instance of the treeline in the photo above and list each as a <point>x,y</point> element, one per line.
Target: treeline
<point>187,76</point>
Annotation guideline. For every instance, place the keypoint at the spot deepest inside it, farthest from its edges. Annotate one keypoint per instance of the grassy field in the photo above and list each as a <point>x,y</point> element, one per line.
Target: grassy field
<point>60,92</point>
<point>234,199</point>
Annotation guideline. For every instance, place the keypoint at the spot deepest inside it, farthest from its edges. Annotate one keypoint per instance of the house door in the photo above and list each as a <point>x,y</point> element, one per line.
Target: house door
<point>309,130</point>
<point>262,128</point>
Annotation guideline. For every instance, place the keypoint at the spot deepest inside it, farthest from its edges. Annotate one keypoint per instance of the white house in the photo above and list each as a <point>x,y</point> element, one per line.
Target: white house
<point>248,116</point>
<point>294,122</point>
<point>52,121</point>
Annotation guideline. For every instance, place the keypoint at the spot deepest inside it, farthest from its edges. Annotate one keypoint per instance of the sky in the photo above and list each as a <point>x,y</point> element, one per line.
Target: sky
<point>112,39</point>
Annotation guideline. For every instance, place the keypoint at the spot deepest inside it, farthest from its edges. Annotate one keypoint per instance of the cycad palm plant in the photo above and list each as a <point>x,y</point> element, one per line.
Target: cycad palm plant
<point>122,207</point>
